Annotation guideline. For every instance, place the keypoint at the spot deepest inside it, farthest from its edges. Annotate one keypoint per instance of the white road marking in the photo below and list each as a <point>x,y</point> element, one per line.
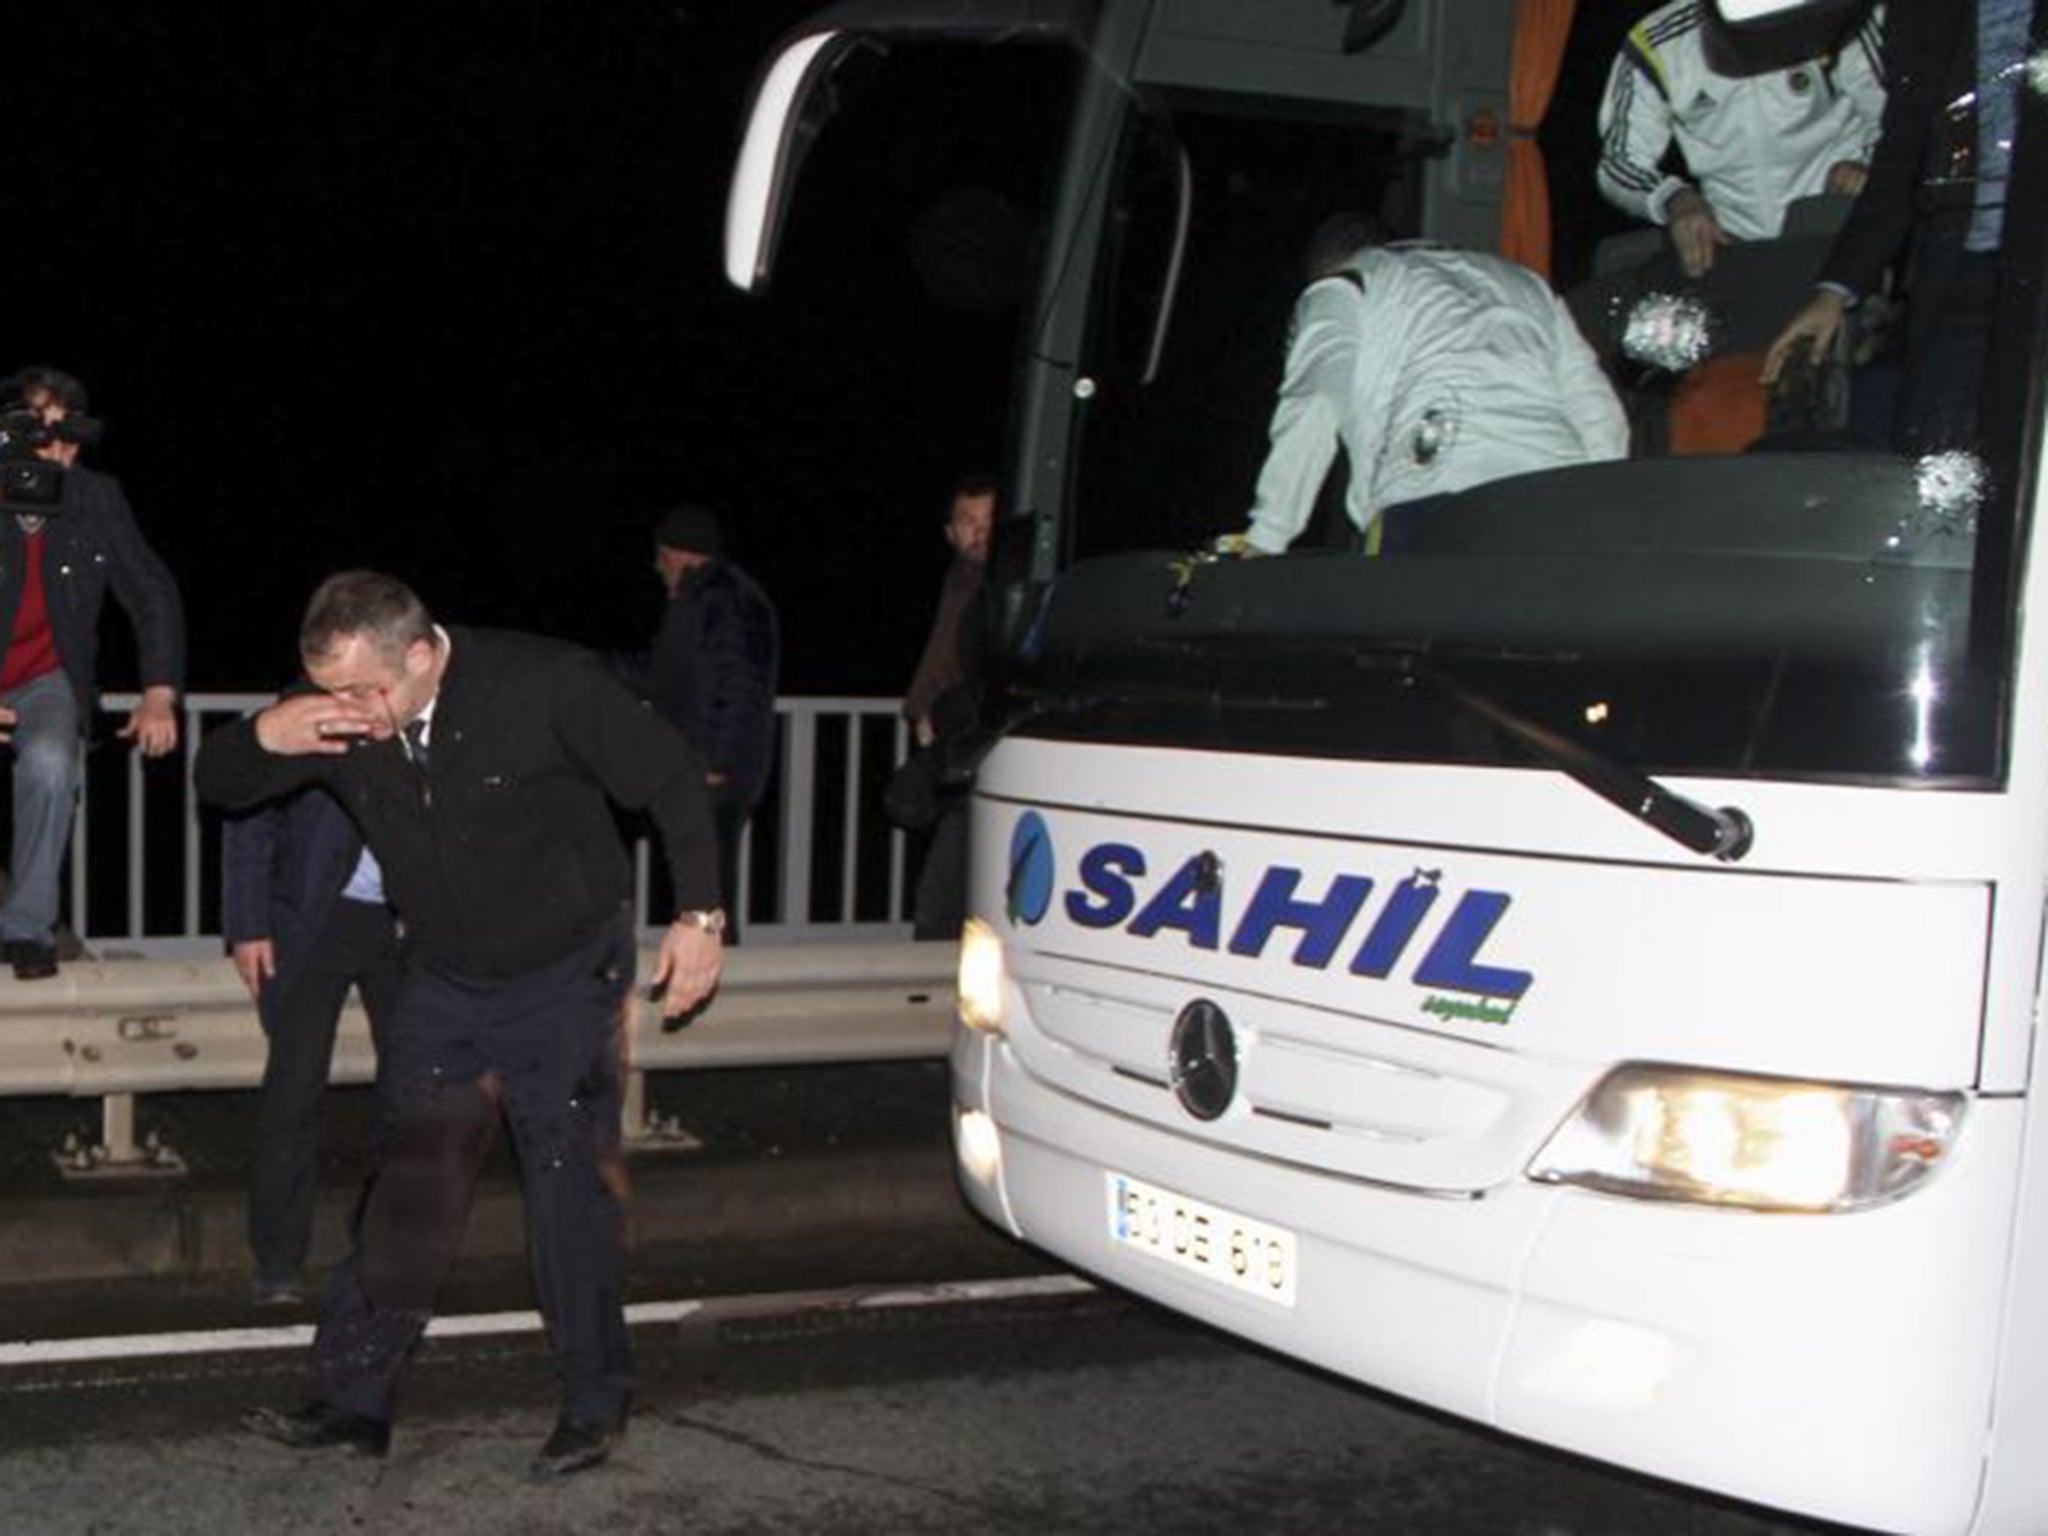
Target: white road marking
<point>144,1346</point>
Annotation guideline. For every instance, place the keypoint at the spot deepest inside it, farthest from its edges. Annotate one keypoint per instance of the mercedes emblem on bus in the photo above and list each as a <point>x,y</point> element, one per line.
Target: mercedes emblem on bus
<point>1204,1066</point>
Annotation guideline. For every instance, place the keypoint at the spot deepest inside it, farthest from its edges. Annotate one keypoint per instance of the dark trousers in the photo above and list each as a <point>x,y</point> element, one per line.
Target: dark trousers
<point>544,1049</point>
<point>940,903</point>
<point>356,946</point>
<point>729,814</point>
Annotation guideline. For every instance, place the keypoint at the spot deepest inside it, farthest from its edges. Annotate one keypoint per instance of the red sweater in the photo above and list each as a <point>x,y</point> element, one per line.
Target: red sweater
<point>32,649</point>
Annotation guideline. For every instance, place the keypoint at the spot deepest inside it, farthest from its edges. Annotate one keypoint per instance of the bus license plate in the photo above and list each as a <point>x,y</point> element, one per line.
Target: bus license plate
<point>1245,1255</point>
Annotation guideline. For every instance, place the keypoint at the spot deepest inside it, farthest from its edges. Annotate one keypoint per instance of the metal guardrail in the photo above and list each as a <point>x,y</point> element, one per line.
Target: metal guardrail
<point>817,862</point>
<point>114,1029</point>
<point>826,974</point>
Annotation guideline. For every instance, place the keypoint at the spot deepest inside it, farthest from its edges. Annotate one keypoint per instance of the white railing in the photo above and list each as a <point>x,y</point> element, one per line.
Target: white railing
<point>818,862</point>
<point>819,868</point>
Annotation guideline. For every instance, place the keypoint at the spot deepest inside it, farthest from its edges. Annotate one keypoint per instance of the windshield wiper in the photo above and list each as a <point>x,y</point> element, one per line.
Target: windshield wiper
<point>1725,834</point>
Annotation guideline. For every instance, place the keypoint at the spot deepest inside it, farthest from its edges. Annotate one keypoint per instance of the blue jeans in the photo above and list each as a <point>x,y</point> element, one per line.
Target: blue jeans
<point>45,790</point>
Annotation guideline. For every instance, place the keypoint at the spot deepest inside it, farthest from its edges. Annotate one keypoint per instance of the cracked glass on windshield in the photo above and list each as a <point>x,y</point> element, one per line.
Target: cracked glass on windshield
<point>1740,493</point>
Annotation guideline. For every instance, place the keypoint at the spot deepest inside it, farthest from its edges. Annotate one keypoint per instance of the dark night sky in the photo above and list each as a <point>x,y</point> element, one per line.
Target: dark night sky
<point>436,288</point>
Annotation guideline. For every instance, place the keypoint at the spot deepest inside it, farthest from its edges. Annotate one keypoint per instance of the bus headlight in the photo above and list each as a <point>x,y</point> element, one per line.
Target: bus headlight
<point>981,977</point>
<point>1760,1143</point>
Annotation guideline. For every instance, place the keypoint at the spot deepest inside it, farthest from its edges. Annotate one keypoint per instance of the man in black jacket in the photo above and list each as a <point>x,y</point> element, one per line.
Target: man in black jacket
<point>479,765</point>
<point>711,673</point>
<point>55,569</point>
<point>1940,177</point>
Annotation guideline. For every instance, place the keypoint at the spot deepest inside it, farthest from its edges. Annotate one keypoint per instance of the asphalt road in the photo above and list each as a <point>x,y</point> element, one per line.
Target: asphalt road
<point>816,1379</point>
<point>1070,1414</point>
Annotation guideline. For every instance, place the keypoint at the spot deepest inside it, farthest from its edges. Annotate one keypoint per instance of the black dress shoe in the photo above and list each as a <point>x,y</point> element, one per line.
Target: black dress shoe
<point>573,1447</point>
<point>317,1425</point>
<point>31,961</point>
<point>277,1291</point>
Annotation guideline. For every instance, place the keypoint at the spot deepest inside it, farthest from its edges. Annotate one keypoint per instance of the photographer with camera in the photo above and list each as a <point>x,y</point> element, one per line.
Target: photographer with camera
<point>66,534</point>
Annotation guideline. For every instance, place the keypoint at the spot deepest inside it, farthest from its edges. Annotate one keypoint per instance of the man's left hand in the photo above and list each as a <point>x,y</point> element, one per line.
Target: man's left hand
<point>1816,325</point>
<point>154,725</point>
<point>687,967</point>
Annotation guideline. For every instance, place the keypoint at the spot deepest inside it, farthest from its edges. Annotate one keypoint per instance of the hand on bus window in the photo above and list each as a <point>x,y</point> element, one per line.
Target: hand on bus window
<point>1846,177</point>
<point>1816,326</point>
<point>1235,546</point>
<point>1695,232</point>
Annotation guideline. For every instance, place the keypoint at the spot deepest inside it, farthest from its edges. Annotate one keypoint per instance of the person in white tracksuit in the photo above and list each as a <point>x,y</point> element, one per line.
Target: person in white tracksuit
<point>1437,370</point>
<point>1762,120</point>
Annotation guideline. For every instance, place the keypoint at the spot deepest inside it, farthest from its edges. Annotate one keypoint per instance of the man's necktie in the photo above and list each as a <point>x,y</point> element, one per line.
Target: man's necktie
<point>416,743</point>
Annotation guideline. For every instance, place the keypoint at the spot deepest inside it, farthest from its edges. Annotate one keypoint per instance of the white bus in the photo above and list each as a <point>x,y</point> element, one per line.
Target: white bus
<point>1579,968</point>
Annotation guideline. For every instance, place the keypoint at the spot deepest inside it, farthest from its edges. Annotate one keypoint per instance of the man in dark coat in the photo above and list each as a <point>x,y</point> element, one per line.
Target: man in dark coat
<point>302,902</point>
<point>55,569</point>
<point>483,767</point>
<point>711,674</point>
<point>938,704</point>
<point>1940,176</point>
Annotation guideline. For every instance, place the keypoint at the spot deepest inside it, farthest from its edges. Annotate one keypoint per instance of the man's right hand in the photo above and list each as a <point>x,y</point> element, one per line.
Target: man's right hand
<point>1816,326</point>
<point>255,963</point>
<point>314,722</point>
<point>1235,546</point>
<point>1847,178</point>
<point>1695,231</point>
<point>7,719</point>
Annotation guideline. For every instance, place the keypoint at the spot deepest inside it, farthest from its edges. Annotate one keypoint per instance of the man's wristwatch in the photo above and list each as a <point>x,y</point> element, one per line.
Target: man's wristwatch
<point>710,919</point>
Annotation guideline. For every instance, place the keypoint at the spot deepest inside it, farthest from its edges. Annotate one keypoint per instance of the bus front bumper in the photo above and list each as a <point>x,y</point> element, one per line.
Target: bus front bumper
<point>1839,1366</point>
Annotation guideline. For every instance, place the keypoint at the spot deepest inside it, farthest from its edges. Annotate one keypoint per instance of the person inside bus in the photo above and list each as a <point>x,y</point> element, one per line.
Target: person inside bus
<point>1434,369</point>
<point>1938,187</point>
<point>1762,116</point>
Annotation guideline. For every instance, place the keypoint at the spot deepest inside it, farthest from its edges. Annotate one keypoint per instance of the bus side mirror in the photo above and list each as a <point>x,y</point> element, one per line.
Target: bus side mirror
<point>800,88</point>
<point>793,100</point>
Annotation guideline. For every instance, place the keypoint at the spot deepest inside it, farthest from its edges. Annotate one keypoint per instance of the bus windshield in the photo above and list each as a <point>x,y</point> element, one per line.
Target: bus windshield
<point>1696,574</point>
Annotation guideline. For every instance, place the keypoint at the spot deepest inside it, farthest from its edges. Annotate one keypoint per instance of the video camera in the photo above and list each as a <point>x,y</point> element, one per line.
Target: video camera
<point>28,483</point>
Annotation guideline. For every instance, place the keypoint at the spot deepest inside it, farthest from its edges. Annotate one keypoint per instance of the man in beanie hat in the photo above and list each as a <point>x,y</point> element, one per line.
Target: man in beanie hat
<point>710,672</point>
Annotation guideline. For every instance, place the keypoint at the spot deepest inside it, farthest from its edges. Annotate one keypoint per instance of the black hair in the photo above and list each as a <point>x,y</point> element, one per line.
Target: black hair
<point>382,609</point>
<point>975,485</point>
<point>64,389</point>
<point>1336,240</point>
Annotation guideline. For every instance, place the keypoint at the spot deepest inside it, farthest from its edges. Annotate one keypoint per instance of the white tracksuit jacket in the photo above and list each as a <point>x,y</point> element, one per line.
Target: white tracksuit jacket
<point>1438,370</point>
<point>1753,145</point>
